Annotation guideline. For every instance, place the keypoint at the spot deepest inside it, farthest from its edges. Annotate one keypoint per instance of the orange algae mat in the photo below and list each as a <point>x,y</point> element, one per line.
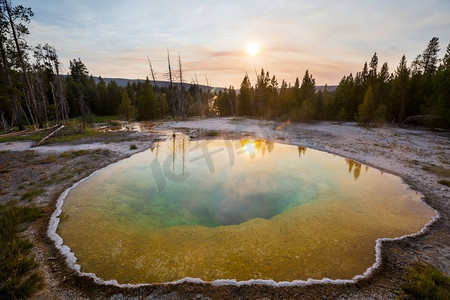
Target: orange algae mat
<point>235,210</point>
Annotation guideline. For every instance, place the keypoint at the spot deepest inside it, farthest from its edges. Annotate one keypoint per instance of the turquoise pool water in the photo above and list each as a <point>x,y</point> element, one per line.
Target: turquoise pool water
<point>223,209</point>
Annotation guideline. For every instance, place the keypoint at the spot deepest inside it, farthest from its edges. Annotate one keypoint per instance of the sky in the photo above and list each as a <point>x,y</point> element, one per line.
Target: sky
<point>327,37</point>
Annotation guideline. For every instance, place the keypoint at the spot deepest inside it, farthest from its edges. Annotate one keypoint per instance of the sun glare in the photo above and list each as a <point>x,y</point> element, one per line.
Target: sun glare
<point>252,49</point>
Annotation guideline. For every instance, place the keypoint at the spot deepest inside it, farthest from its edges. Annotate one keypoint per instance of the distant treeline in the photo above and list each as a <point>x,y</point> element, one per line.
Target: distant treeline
<point>34,93</point>
<point>372,95</point>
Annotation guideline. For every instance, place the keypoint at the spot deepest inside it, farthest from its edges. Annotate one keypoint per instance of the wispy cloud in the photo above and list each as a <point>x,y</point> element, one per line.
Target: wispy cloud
<point>329,38</point>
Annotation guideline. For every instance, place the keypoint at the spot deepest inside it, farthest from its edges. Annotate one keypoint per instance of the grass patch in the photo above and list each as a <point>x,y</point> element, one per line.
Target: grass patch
<point>7,177</point>
<point>31,194</point>
<point>48,160</point>
<point>426,282</point>
<point>32,136</point>
<point>415,162</point>
<point>73,154</point>
<point>133,147</point>
<point>104,119</point>
<point>18,280</point>
<point>212,133</point>
<point>444,182</point>
<point>77,153</point>
<point>72,133</point>
<point>440,171</point>
<point>55,179</point>
<point>28,155</point>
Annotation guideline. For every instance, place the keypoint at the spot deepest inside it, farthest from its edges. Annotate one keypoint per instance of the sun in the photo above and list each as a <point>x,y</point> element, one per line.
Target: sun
<point>252,49</point>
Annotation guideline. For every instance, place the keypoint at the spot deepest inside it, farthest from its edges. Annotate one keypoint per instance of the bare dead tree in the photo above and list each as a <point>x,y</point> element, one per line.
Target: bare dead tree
<point>22,111</point>
<point>231,102</point>
<point>170,69</point>
<point>84,109</point>
<point>30,90</point>
<point>13,97</point>
<point>55,99</point>
<point>151,71</point>
<point>42,106</point>
<point>156,88</point>
<point>198,98</point>
<point>210,97</point>
<point>62,103</point>
<point>182,100</point>
<point>40,66</point>
<point>3,122</point>
<point>208,88</point>
<point>207,82</point>
<point>29,109</point>
<point>198,95</point>
<point>170,95</point>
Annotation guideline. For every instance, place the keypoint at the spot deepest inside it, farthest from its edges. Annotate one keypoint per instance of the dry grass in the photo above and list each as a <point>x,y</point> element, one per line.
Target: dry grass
<point>18,278</point>
<point>444,182</point>
<point>440,171</point>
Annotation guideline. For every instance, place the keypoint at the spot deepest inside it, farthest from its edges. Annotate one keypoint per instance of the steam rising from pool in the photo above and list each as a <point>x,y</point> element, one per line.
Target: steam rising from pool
<point>234,210</point>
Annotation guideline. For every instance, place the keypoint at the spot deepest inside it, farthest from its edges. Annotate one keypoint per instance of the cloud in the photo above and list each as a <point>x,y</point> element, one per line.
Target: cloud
<point>329,38</point>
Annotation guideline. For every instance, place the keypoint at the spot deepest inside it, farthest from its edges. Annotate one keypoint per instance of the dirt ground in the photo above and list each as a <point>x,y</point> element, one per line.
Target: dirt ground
<point>40,174</point>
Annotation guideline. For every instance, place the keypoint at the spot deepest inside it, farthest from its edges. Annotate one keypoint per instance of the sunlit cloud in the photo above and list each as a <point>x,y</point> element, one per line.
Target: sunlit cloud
<point>329,38</point>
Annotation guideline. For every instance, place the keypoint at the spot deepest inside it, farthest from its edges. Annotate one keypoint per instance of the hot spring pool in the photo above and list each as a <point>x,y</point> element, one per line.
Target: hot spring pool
<point>239,210</point>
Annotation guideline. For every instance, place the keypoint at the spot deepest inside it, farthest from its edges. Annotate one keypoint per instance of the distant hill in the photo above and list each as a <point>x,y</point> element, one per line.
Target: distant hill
<point>330,88</point>
<point>123,83</point>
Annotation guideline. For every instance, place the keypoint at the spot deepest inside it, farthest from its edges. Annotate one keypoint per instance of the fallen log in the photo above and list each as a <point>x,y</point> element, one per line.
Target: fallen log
<point>49,135</point>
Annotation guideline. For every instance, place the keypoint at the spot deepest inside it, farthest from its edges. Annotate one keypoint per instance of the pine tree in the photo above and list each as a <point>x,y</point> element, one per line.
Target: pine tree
<point>78,70</point>
<point>373,67</point>
<point>438,102</point>
<point>367,108</point>
<point>78,80</point>
<point>114,97</point>
<point>126,109</point>
<point>400,89</point>
<point>146,104</point>
<point>364,74</point>
<point>382,84</point>
<point>296,92</point>
<point>429,57</point>
<point>446,60</point>
<point>308,87</point>
<point>101,99</point>
<point>245,96</point>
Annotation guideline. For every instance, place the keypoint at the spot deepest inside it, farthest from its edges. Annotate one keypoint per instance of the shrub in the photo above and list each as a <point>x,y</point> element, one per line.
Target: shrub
<point>426,282</point>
